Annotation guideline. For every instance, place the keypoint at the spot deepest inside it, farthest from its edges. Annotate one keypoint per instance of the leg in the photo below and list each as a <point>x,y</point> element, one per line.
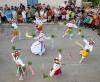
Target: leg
<point>70,36</point>
<point>21,77</point>
<point>21,73</point>
<point>81,60</point>
<point>17,71</point>
<point>13,38</point>
<point>65,34</point>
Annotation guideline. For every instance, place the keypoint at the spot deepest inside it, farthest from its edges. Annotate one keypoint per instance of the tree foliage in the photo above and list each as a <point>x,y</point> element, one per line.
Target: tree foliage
<point>95,2</point>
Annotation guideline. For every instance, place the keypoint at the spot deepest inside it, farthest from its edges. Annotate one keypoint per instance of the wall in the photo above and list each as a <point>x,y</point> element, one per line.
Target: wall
<point>52,2</point>
<point>13,2</point>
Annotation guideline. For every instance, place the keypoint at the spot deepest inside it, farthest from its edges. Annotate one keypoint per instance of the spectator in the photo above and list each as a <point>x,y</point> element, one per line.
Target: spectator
<point>8,14</point>
<point>24,15</point>
<point>14,13</point>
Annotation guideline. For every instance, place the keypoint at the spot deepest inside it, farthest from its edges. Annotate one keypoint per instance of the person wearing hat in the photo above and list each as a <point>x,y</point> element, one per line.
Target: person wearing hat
<point>38,25</point>
<point>38,47</point>
<point>56,69</point>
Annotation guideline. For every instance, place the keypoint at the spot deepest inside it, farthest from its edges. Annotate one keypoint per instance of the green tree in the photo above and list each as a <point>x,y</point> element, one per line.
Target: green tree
<point>95,2</point>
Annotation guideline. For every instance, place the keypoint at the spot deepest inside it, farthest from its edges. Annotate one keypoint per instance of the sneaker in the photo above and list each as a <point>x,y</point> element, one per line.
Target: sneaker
<point>21,79</point>
<point>12,41</point>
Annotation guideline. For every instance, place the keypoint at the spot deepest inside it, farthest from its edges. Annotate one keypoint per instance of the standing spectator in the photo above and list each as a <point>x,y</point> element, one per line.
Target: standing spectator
<point>24,15</point>
<point>56,14</point>
<point>68,13</point>
<point>19,15</point>
<point>28,15</point>
<point>14,13</point>
<point>49,14</point>
<point>33,11</point>
<point>63,13</point>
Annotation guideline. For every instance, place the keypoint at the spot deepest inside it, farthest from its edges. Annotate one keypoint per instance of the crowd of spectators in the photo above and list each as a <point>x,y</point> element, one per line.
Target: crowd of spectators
<point>89,16</point>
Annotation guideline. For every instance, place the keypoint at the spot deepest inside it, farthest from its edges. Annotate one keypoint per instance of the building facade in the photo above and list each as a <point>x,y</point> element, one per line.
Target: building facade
<point>31,2</point>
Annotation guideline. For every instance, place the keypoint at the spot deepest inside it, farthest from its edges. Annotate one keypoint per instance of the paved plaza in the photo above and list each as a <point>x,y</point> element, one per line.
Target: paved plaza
<point>72,71</point>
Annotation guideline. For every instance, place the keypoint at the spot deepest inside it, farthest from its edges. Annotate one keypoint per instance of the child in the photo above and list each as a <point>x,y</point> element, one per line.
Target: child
<point>84,53</point>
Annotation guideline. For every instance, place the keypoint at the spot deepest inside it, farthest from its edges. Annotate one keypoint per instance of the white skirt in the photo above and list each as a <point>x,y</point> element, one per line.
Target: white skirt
<point>38,48</point>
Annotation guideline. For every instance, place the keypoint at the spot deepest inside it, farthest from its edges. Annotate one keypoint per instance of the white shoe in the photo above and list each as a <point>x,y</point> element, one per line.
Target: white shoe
<point>21,79</point>
<point>12,41</point>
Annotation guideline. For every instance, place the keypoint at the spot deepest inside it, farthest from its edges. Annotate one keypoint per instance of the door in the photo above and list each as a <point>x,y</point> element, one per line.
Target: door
<point>32,2</point>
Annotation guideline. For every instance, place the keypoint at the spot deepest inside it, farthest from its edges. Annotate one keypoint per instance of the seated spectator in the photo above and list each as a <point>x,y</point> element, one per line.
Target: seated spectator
<point>8,14</point>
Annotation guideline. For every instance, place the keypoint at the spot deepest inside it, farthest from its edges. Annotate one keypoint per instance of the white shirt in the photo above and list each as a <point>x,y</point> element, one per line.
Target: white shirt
<point>42,13</point>
<point>71,25</point>
<point>88,46</point>
<point>24,14</point>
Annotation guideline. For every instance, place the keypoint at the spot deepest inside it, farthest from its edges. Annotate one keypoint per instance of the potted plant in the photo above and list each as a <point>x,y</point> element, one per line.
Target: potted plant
<point>60,50</point>
<point>14,47</point>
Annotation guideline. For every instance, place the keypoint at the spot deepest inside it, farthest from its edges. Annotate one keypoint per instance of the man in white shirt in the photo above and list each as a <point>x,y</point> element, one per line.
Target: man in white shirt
<point>24,16</point>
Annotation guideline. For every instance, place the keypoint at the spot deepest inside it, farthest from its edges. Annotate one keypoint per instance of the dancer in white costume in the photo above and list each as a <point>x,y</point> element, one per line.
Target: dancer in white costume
<point>89,44</point>
<point>56,69</point>
<point>20,65</point>
<point>38,47</point>
<point>70,28</point>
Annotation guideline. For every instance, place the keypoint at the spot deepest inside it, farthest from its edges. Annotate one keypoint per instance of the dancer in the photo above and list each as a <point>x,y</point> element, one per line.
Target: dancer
<point>89,44</point>
<point>38,47</point>
<point>56,69</point>
<point>39,24</point>
<point>21,68</point>
<point>70,28</point>
<point>86,50</point>
<point>15,32</point>
<point>84,54</point>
